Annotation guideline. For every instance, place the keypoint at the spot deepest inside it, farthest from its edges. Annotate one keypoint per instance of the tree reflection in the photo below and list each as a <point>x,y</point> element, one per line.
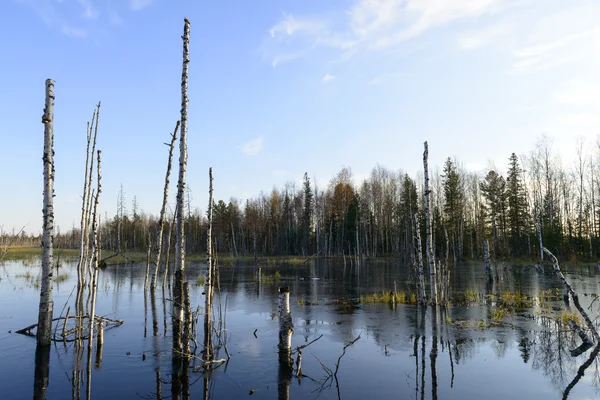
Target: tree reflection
<point>42,372</point>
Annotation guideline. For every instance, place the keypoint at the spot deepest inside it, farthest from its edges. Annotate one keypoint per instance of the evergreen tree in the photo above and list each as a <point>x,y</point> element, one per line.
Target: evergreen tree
<point>517,207</point>
<point>307,213</point>
<point>493,192</point>
<point>453,206</point>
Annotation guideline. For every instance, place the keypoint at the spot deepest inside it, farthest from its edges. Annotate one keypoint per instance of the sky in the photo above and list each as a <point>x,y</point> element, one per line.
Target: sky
<point>280,88</point>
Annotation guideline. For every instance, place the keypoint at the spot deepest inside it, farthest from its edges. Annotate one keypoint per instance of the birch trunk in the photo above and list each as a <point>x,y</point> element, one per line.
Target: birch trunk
<point>82,255</point>
<point>88,197</point>
<point>179,275</point>
<point>422,296</point>
<point>46,307</point>
<point>428,230</point>
<point>163,210</point>
<point>208,306</point>
<point>486,261</point>
<point>574,295</point>
<point>94,281</point>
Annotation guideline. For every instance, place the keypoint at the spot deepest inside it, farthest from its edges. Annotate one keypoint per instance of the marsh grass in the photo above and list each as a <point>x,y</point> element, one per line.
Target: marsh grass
<point>61,277</point>
<point>567,315</point>
<point>387,297</point>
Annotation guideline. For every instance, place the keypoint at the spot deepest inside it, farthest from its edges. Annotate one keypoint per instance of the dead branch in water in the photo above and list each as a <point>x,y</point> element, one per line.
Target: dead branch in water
<point>574,296</point>
<point>62,337</point>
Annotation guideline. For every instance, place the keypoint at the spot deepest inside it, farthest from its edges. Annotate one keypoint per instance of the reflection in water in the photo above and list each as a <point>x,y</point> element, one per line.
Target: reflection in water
<point>536,345</point>
<point>42,372</point>
<point>581,371</point>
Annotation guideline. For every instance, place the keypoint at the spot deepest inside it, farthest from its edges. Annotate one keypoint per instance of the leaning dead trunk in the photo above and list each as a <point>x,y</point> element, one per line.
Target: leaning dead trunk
<point>574,296</point>
<point>179,275</point>
<point>428,230</point>
<point>208,306</point>
<point>46,308</point>
<point>163,210</point>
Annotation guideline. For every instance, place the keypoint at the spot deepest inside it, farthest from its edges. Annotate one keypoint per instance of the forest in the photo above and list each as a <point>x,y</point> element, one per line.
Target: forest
<point>375,218</point>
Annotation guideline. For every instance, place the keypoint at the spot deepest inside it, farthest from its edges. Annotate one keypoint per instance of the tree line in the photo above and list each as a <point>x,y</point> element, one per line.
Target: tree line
<point>375,218</point>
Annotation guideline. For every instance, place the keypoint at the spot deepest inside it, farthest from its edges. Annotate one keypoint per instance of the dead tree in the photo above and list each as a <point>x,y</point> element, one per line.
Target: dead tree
<point>163,210</point>
<point>208,306</point>
<point>429,230</point>
<point>419,250</point>
<point>46,308</point>
<point>574,296</point>
<point>486,261</point>
<point>179,276</point>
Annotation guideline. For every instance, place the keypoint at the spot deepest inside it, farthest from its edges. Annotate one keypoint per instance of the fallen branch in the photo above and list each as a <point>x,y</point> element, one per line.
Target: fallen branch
<point>311,257</point>
<point>574,295</point>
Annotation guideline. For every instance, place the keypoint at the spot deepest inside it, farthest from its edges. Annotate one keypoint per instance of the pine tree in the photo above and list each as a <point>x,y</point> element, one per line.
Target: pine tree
<point>517,206</point>
<point>493,192</point>
<point>453,206</point>
<point>307,214</point>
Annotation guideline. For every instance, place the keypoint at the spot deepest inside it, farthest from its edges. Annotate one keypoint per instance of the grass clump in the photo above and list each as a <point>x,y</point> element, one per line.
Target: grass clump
<point>201,281</point>
<point>61,277</point>
<point>567,315</point>
<point>388,297</point>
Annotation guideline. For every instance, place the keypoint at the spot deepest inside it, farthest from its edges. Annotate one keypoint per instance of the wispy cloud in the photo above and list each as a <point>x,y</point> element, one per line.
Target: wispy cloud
<point>565,50</point>
<point>140,4</point>
<point>89,11</point>
<point>476,39</point>
<point>328,78</point>
<point>253,147</point>
<point>370,25</point>
<point>73,32</point>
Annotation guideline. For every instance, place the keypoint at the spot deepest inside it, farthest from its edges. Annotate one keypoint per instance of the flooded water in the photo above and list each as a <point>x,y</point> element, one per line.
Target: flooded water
<point>403,352</point>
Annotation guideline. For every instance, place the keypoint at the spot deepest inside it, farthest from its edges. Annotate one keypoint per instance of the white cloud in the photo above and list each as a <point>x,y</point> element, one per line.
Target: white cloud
<point>89,12</point>
<point>140,4</point>
<point>477,39</point>
<point>371,25</point>
<point>253,147</point>
<point>73,32</point>
<point>328,78</point>
<point>565,50</point>
<point>383,23</point>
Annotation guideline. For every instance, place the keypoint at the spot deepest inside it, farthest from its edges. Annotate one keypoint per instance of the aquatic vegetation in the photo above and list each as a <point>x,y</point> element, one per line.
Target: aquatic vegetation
<point>387,297</point>
<point>568,315</point>
<point>201,281</point>
<point>498,313</point>
<point>61,277</point>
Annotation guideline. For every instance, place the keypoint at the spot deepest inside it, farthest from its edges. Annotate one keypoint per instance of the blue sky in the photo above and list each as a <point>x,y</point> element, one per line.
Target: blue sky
<point>280,88</point>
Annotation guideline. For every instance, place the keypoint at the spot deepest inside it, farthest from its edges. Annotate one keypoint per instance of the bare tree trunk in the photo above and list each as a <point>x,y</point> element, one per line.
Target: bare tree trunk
<point>486,261</point>
<point>208,307</point>
<point>419,250</point>
<point>163,210</point>
<point>179,275</point>
<point>428,230</point>
<point>574,295</point>
<point>94,281</point>
<point>46,307</point>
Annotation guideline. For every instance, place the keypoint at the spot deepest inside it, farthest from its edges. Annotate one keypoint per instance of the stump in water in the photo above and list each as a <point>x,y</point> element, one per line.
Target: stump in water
<point>286,328</point>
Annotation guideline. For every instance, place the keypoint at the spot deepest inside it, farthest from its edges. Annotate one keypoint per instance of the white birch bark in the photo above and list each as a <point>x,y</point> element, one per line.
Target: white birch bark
<point>94,263</point>
<point>208,306</point>
<point>46,307</point>
<point>163,210</point>
<point>428,230</point>
<point>486,261</point>
<point>178,277</point>
<point>419,251</point>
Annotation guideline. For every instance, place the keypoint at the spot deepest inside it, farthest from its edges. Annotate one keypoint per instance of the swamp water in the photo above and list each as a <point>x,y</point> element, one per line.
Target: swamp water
<point>403,352</point>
